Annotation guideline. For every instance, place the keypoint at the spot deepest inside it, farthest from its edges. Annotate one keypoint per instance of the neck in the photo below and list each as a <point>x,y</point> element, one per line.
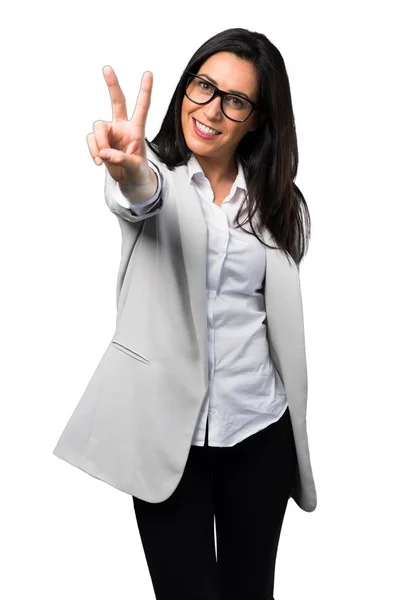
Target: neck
<point>218,171</point>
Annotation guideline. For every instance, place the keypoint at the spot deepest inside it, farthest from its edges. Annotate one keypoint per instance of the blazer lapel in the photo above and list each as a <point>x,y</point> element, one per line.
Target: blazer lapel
<point>193,231</point>
<point>285,326</point>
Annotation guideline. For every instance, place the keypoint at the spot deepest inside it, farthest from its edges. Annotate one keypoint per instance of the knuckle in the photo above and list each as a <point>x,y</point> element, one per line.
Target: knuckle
<point>98,125</point>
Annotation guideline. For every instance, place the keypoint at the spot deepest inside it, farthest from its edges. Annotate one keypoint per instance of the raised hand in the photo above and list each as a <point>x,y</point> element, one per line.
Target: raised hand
<point>121,142</point>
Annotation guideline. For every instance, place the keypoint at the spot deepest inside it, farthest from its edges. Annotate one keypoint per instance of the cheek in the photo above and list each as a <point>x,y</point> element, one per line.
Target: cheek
<point>185,116</point>
<point>241,132</point>
<point>184,109</point>
<point>236,134</point>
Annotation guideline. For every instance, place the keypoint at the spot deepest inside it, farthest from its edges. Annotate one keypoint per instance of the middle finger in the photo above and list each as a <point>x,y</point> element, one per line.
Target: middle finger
<point>116,94</point>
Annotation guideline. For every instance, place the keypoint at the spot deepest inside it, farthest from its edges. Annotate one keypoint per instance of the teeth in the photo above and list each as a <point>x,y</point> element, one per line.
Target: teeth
<point>205,129</point>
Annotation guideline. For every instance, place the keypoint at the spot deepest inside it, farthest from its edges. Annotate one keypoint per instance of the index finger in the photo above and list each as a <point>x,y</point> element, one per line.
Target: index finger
<point>118,101</point>
<point>139,116</point>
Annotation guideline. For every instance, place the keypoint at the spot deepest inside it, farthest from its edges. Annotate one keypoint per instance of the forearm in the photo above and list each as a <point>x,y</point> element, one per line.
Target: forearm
<point>118,202</point>
<point>136,194</point>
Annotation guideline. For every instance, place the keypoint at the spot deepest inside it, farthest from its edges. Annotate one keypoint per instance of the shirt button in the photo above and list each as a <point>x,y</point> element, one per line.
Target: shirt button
<point>210,294</point>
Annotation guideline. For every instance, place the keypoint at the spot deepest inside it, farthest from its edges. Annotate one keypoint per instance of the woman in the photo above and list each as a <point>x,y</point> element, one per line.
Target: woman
<point>198,406</point>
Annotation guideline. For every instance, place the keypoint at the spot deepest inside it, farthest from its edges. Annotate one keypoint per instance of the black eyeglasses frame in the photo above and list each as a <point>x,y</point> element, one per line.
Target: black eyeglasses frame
<point>217,92</point>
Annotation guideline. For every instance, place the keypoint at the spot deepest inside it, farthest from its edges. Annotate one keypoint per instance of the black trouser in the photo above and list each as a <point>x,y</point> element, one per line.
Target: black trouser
<point>246,487</point>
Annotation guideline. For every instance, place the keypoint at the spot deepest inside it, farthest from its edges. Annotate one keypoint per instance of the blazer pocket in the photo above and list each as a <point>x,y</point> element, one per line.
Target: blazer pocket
<point>130,352</point>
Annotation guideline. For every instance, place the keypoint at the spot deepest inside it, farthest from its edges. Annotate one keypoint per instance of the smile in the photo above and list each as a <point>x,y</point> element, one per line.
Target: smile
<point>205,128</point>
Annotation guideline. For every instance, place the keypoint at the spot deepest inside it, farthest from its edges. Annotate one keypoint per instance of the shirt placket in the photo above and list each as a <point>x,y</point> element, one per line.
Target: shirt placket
<point>218,243</point>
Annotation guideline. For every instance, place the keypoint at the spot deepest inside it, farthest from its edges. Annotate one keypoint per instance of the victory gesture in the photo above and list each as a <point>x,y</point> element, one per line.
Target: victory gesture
<point>121,142</point>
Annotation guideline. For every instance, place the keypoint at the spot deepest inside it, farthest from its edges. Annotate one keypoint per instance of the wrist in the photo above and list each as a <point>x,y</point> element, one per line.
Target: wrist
<point>140,192</point>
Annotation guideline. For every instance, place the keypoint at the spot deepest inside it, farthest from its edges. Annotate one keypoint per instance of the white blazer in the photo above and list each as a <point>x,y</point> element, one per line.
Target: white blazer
<point>134,423</point>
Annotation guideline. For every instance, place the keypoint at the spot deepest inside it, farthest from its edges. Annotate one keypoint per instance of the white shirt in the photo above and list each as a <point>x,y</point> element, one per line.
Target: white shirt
<point>245,393</point>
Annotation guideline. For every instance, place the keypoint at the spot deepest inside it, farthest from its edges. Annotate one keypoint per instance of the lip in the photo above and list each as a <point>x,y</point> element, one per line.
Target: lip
<point>204,136</point>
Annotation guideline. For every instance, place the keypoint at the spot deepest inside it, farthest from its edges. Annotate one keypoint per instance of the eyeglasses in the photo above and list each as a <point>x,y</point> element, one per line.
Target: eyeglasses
<point>235,107</point>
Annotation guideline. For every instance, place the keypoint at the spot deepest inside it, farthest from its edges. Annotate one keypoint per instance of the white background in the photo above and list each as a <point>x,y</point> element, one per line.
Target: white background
<point>65,534</point>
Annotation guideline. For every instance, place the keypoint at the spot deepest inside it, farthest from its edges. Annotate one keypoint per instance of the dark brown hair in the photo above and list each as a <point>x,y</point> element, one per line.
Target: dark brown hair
<point>269,154</point>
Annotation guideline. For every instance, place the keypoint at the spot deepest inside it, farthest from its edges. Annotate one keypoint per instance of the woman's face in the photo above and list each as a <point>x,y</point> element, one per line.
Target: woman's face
<point>228,72</point>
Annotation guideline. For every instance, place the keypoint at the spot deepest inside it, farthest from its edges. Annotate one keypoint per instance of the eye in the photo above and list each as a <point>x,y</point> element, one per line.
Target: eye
<point>235,101</point>
<point>205,84</point>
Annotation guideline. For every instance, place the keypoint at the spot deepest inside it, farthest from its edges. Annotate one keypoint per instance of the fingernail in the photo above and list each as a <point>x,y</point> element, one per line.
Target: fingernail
<point>98,160</point>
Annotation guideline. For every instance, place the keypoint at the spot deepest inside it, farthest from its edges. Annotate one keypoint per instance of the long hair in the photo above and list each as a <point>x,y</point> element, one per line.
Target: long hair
<point>269,154</point>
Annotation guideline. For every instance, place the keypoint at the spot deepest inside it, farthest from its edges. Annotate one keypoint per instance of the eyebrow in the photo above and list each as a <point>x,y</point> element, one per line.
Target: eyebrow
<point>230,91</point>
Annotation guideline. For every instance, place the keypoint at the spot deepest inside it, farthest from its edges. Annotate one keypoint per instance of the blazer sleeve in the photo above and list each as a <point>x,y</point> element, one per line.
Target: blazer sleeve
<point>140,208</point>
<point>120,205</point>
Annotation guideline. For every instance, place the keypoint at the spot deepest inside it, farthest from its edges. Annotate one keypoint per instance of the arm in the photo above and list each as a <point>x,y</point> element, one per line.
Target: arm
<point>140,207</point>
<point>120,202</point>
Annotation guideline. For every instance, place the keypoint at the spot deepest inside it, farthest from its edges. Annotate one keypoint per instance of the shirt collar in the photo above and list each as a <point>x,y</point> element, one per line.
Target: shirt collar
<point>194,169</point>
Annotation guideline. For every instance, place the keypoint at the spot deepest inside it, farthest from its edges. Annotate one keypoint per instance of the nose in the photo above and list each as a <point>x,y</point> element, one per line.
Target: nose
<point>213,111</point>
